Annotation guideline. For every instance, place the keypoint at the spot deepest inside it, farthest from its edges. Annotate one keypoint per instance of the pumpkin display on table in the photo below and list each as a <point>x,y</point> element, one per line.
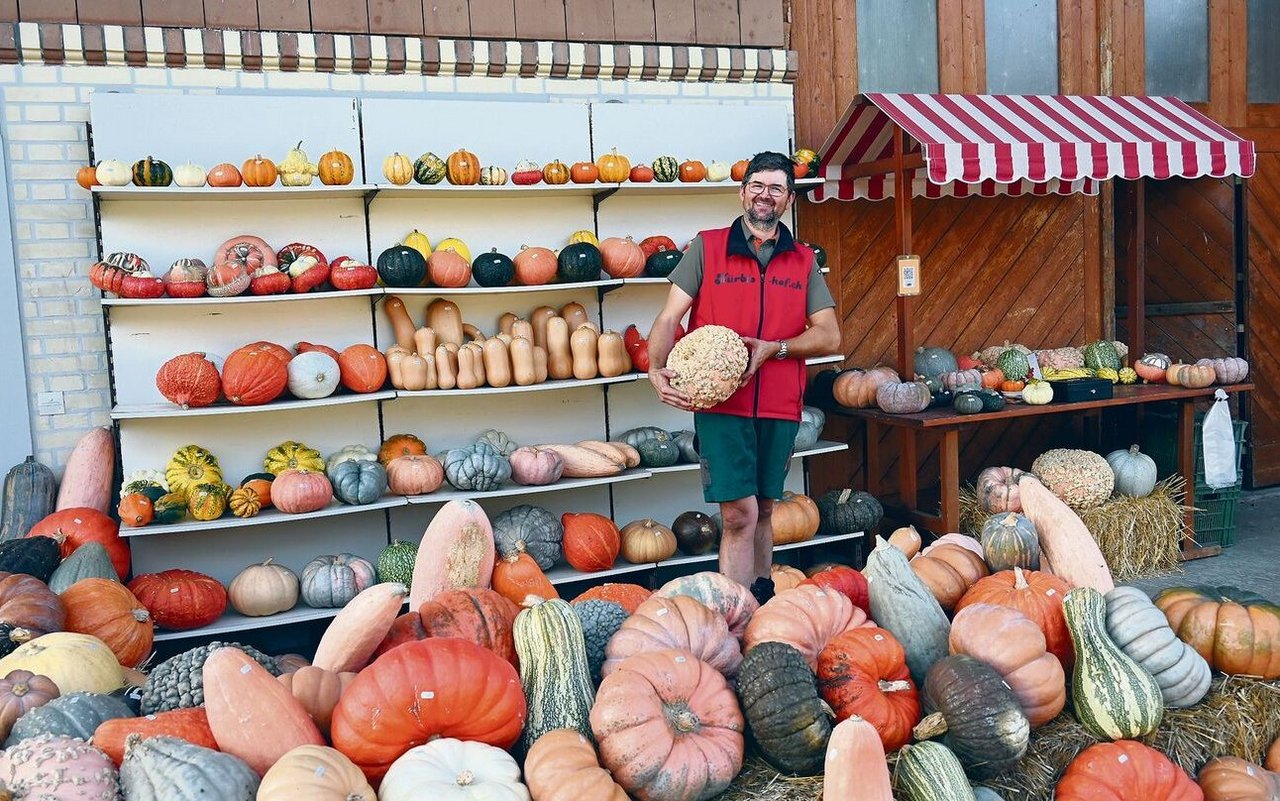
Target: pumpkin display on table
<point>333,580</point>
<point>906,397</point>
<point>680,623</point>
<point>457,550</point>
<point>668,727</point>
<point>562,765</point>
<point>108,610</point>
<point>1236,631</point>
<point>180,599</point>
<point>863,672</point>
<point>1125,771</point>
<point>52,766</point>
<point>1227,370</point>
<point>1005,639</point>
<point>263,589</point>
<point>902,604</point>
<point>785,714</point>
<point>805,617</point>
<point>1141,630</point>
<point>75,662</point>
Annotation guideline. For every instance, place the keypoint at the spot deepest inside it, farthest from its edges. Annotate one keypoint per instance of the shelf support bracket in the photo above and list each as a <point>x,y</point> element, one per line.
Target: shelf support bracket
<point>600,196</point>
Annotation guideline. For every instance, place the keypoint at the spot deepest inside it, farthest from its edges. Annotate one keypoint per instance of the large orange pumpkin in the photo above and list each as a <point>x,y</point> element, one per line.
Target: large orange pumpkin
<point>180,599</point>
<point>481,616</point>
<point>189,380</point>
<point>535,266</point>
<point>107,610</point>
<point>863,672</point>
<point>1036,595</point>
<point>622,257</point>
<point>462,168</point>
<point>363,368</point>
<point>518,576</point>
<point>73,527</point>
<point>628,596</point>
<point>1237,632</point>
<point>591,541</point>
<point>423,690</point>
<point>806,617</point>
<point>949,571</point>
<point>252,376</point>
<point>1125,771</point>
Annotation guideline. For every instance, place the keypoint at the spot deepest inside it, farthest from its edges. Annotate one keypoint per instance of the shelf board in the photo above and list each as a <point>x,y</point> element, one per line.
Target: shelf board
<point>509,490</point>
<point>168,194</point>
<point>821,539</point>
<point>568,383</point>
<point>443,189</point>
<point>210,301</point>
<point>564,574</point>
<point>605,283</point>
<point>151,411</point>
<point>264,518</point>
<point>822,446</point>
<point>834,358</point>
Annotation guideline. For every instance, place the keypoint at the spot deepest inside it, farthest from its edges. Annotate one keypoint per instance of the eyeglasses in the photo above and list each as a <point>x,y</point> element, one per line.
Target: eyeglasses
<point>775,191</point>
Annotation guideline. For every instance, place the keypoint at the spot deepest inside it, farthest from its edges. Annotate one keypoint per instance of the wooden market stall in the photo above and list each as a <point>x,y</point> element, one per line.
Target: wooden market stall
<point>987,145</point>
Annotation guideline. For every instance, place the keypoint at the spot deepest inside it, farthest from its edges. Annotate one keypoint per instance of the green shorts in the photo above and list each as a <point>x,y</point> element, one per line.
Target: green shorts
<point>743,456</point>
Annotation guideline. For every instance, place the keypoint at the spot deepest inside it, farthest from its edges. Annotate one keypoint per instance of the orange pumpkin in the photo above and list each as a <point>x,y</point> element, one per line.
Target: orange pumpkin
<point>949,571</point>
<point>224,174</point>
<point>414,475</point>
<point>317,690</point>
<point>259,171</point>
<point>336,168</point>
<point>398,445</point>
<point>556,172</point>
<point>584,172</point>
<point>613,167</point>
<point>622,257</point>
<point>518,576</point>
<point>628,596</point>
<point>1038,596</point>
<point>87,176</point>
<point>462,168</point>
<point>252,376</point>
<point>1236,631</point>
<point>738,171</point>
<point>591,541</point>
<point>692,172</point>
<point>562,766</point>
<point>806,617</point>
<point>680,622</point>
<point>135,510</point>
<point>1125,770</point>
<point>1012,386</point>
<point>641,174</point>
<point>1230,778</point>
<point>107,610</point>
<point>1005,639</point>
<point>363,368</point>
<point>448,269</point>
<point>856,388</point>
<point>795,519</point>
<point>993,378</point>
<point>785,577</point>
<point>261,487</point>
<point>863,672</point>
<point>535,266</point>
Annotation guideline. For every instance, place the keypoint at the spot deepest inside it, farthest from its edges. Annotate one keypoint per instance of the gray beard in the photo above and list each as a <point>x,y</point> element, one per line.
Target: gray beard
<point>767,222</point>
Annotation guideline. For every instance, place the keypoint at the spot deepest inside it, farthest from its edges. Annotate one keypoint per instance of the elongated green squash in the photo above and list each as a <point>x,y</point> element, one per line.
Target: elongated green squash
<point>553,669</point>
<point>29,493</point>
<point>90,560</point>
<point>1142,632</point>
<point>901,603</point>
<point>1114,698</point>
<point>928,771</point>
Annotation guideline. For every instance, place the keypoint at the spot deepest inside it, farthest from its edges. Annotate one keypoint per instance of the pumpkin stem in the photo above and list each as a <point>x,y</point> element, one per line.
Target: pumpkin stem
<point>465,778</point>
<point>934,725</point>
<point>1019,580</point>
<point>682,719</point>
<point>532,600</point>
<point>141,615</point>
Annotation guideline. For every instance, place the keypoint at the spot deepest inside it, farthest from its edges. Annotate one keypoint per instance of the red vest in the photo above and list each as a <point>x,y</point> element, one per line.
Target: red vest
<point>769,304</point>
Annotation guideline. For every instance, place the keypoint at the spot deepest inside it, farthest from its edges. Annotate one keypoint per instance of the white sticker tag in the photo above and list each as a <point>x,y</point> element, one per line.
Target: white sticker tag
<point>662,611</point>
<point>426,695</point>
<point>244,669</point>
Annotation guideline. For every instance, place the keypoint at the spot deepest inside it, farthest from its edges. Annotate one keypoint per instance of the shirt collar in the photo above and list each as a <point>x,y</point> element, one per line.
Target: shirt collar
<point>739,240</point>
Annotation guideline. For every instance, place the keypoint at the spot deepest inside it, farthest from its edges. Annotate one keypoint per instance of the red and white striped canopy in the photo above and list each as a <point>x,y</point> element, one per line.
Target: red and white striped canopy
<point>1015,144</point>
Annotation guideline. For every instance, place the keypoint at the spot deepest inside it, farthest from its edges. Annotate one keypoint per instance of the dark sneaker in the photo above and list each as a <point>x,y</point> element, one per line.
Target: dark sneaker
<point>762,589</point>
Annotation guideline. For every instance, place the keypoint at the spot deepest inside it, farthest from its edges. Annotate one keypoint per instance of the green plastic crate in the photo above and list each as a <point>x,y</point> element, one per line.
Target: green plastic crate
<point>1216,516</point>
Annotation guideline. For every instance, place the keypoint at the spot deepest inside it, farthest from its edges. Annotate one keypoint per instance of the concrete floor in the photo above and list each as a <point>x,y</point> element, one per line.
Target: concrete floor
<point>1250,564</point>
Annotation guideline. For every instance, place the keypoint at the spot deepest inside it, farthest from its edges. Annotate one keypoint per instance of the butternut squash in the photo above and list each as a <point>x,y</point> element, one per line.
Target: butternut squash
<point>424,341</point>
<point>444,316</point>
<point>539,364</point>
<point>395,358</point>
<point>497,363</point>
<point>473,334</point>
<point>506,339</point>
<point>538,319</point>
<point>582,347</point>
<point>467,375</point>
<point>522,366</point>
<point>1064,540</point>
<point>432,381</point>
<point>582,462</point>
<point>575,314</point>
<point>413,373</point>
<point>632,455</point>
<point>505,322</point>
<point>446,367</point>
<point>401,324</point>
<point>523,328</point>
<point>559,356</point>
<point>611,355</point>
<point>477,362</point>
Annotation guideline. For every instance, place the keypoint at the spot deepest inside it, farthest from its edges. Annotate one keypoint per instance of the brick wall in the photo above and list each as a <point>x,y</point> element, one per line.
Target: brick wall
<point>46,108</point>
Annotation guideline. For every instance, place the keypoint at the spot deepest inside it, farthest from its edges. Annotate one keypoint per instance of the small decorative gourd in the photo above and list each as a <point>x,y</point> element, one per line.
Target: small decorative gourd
<point>929,771</point>
<point>1010,540</point>
<point>1135,472</point>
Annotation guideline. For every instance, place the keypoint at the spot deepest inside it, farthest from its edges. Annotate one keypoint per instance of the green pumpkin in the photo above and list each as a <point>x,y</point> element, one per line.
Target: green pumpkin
<point>1101,355</point>
<point>529,529</point>
<point>661,263</point>
<point>493,269</point>
<point>933,361</point>
<point>929,771</point>
<point>635,436</point>
<point>358,482</point>
<point>152,172</point>
<point>666,169</point>
<point>580,261</point>
<point>428,169</point>
<point>819,254</point>
<point>967,403</point>
<point>74,715</point>
<point>844,511</point>
<point>170,508</point>
<point>660,450</point>
<point>1010,540</point>
<point>29,494</point>
<point>477,467</point>
<point>779,697</point>
<point>600,621</point>
<point>977,715</point>
<point>153,490</point>
<point>35,556</point>
<point>395,563</point>
<point>684,441</point>
<point>1013,363</point>
<point>553,669</point>
<point>90,560</point>
<point>992,401</point>
<point>401,266</point>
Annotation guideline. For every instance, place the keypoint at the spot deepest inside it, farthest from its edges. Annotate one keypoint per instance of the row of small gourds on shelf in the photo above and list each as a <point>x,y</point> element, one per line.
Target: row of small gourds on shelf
<point>584,690</point>
<point>460,168</point>
<point>986,380</point>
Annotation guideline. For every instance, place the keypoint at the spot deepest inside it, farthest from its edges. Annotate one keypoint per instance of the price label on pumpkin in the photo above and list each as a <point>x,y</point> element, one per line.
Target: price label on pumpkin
<point>908,275</point>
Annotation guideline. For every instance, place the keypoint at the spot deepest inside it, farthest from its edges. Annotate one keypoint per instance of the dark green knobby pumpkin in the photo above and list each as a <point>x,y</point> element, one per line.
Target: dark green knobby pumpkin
<point>967,403</point>
<point>941,398</point>
<point>152,172</point>
<point>970,706</point>
<point>357,482</point>
<point>844,511</point>
<point>684,441</point>
<point>696,533</point>
<point>634,436</point>
<point>600,621</point>
<point>395,563</point>
<point>29,493</point>
<point>35,556</point>
<point>992,401</point>
<point>661,262</point>
<point>90,560</point>
<point>666,169</point>
<point>176,683</point>
<point>529,529</point>
<point>428,169</point>
<point>74,715</point>
<point>1009,541</point>
<point>580,261</point>
<point>659,450</point>
<point>786,716</point>
<point>401,266</point>
<point>493,269</point>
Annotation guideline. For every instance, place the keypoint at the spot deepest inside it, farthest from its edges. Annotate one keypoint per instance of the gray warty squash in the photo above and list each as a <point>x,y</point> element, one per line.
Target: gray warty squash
<point>1142,632</point>
<point>788,720</point>
<point>976,714</point>
<point>170,769</point>
<point>74,715</point>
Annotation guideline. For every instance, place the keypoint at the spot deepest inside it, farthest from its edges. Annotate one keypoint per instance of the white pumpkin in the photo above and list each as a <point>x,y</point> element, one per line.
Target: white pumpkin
<point>113,172</point>
<point>718,171</point>
<point>188,175</point>
<point>1135,472</point>
<point>350,453</point>
<point>313,374</point>
<point>453,770</point>
<point>1037,393</point>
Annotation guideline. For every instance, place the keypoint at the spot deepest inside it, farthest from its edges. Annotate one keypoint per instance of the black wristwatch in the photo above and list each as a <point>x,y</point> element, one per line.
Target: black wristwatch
<point>782,349</point>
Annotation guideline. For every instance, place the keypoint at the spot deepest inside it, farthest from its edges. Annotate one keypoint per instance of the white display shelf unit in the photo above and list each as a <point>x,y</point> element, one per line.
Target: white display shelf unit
<point>822,446</point>
<point>545,386</point>
<point>207,300</point>
<point>157,410</point>
<point>232,620</point>
<point>604,284</point>
<point>511,490</point>
<point>171,194</point>
<point>264,518</point>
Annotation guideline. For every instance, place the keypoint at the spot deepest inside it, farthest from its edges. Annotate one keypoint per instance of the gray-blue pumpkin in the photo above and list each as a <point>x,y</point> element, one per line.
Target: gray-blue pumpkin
<point>74,715</point>
<point>659,450</point>
<point>684,441</point>
<point>930,361</point>
<point>529,529</point>
<point>478,467</point>
<point>331,581</point>
<point>812,420</point>
<point>358,482</point>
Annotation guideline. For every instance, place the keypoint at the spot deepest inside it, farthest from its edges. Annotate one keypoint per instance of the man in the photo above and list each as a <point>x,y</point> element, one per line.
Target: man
<point>755,278</point>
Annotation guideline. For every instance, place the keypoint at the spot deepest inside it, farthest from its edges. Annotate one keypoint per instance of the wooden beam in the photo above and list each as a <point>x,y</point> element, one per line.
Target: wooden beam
<point>881,166</point>
<point>902,219</point>
<point>1136,262</point>
<point>1182,309</point>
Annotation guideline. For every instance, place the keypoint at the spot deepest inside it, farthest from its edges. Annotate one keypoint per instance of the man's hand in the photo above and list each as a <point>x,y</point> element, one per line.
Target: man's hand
<point>760,351</point>
<point>661,377</point>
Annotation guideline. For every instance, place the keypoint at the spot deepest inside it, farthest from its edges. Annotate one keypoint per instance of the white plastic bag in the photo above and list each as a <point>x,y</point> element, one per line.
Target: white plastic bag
<point>1219,440</point>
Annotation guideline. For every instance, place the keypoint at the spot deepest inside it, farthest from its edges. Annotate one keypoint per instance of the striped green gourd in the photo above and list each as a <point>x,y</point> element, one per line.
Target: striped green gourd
<point>428,169</point>
<point>553,669</point>
<point>1101,354</point>
<point>151,172</point>
<point>1114,697</point>
<point>901,603</point>
<point>928,771</point>
<point>665,169</point>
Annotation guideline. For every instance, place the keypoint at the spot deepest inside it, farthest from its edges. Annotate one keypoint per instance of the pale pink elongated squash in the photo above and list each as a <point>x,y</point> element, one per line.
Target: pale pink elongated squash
<point>353,636</point>
<point>86,481</point>
<point>456,552</point>
<point>1064,540</point>
<point>251,714</point>
<point>855,766</point>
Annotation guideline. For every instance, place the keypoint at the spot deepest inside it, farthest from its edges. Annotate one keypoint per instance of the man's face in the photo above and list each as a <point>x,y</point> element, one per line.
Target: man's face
<point>765,197</point>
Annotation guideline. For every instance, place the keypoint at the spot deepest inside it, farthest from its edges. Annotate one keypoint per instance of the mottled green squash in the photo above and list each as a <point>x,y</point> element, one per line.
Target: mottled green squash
<point>90,560</point>
<point>553,669</point>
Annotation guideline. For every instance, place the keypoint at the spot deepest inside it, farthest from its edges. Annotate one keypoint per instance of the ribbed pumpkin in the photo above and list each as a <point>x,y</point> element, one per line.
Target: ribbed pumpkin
<point>1010,540</point>
<point>29,495</point>
<point>902,604</point>
<point>997,489</point>
<point>180,599</point>
<point>977,715</point>
<point>1125,771</point>
<point>863,673</point>
<point>857,389</point>
<point>553,668</point>
<point>1007,641</point>
<point>71,715</point>
<point>1038,596</point>
<point>562,766</point>
<point>718,593</point>
<point>107,610</point>
<point>949,571</point>
<point>27,603</point>
<point>462,168</point>
<point>591,541</point>
<point>20,692</point>
<point>1236,631</point>
<point>301,491</point>
<point>622,257</point>
<point>333,580</point>
<point>315,772</point>
<point>252,376</point>
<point>1143,633</point>
<point>806,618</point>
<point>148,765</point>
<point>263,589</point>
<point>785,714</point>
<point>191,725</point>
<point>930,771</point>
<point>481,616</point>
<point>189,380</point>
<point>680,623</point>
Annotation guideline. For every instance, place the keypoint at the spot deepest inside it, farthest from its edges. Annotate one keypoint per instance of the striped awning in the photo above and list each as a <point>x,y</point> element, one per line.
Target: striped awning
<point>1023,144</point>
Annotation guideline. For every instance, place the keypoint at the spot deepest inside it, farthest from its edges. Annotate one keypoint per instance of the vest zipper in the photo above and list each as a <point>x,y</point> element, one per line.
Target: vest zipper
<point>755,405</point>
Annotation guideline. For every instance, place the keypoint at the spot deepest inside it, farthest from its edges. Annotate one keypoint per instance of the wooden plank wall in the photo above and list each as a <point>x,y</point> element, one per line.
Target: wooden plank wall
<point>1264,312</point>
<point>749,23</point>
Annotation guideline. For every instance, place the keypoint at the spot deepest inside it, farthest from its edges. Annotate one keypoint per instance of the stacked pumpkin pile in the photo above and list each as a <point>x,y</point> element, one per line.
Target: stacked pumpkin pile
<point>334,168</point>
<point>261,372</point>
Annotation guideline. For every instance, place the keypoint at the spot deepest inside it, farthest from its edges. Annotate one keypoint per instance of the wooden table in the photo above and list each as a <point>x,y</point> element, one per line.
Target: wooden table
<point>948,423</point>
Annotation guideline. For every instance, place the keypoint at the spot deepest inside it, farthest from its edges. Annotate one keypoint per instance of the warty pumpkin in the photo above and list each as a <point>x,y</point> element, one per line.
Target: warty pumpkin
<point>1236,631</point>
<point>1006,640</point>
<point>902,604</point>
<point>57,767</point>
<point>863,673</point>
<point>562,766</point>
<point>189,380</point>
<point>668,727</point>
<point>786,716</point>
<point>717,592</point>
<point>456,550</point>
<point>680,623</point>
<point>806,618</point>
<point>107,610</point>
<point>1124,771</point>
<point>315,772</point>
